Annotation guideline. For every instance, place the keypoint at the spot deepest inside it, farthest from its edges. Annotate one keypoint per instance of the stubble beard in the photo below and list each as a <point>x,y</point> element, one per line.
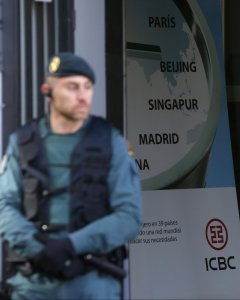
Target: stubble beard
<point>71,117</point>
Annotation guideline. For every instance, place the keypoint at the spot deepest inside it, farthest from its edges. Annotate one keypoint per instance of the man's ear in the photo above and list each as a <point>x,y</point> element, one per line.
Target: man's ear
<point>46,90</point>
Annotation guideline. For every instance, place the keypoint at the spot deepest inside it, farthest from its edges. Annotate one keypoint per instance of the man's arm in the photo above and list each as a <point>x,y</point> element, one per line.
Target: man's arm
<point>14,227</point>
<point>117,228</point>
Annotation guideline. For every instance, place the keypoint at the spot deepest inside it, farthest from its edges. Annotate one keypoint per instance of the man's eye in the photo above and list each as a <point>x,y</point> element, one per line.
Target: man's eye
<point>71,87</point>
<point>88,86</point>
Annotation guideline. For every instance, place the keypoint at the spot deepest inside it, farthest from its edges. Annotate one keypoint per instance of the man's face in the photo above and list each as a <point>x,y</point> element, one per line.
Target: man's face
<point>71,97</point>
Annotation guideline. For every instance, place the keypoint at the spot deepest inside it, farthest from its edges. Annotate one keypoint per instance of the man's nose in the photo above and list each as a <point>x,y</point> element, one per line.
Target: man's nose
<point>80,93</point>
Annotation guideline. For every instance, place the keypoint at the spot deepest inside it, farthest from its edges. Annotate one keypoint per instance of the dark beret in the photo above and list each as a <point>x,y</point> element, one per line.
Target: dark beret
<point>68,64</point>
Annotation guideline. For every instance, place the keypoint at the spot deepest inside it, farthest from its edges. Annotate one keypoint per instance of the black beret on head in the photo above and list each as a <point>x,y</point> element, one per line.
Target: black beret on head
<point>68,64</point>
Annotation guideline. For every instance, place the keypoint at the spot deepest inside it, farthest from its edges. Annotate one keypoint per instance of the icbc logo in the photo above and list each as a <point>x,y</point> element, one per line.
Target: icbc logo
<point>216,234</point>
<point>217,238</point>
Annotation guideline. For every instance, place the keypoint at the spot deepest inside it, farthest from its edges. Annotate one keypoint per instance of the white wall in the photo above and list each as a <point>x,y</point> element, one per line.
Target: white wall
<point>90,44</point>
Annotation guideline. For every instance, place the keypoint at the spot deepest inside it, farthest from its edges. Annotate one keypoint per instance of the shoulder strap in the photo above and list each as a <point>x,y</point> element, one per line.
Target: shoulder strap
<point>29,144</point>
<point>100,136</point>
<point>95,146</point>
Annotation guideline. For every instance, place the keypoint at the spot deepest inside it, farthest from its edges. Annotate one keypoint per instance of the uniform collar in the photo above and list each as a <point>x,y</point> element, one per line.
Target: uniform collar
<point>45,128</point>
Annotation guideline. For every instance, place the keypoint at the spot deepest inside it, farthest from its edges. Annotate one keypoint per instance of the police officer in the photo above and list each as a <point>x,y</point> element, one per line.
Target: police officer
<point>69,195</point>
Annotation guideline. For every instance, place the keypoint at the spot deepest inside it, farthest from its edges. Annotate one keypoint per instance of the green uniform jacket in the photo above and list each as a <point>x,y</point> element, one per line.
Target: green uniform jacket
<point>101,236</point>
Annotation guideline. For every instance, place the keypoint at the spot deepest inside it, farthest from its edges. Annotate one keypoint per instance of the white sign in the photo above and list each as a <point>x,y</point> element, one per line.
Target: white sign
<point>169,83</point>
<point>176,119</point>
<point>188,247</point>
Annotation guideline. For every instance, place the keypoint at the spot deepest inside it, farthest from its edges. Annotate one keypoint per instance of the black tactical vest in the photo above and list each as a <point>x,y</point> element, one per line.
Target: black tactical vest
<point>90,162</point>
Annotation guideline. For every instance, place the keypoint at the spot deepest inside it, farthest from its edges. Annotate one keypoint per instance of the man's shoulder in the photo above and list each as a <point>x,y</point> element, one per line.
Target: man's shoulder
<point>99,120</point>
<point>25,132</point>
<point>99,125</point>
